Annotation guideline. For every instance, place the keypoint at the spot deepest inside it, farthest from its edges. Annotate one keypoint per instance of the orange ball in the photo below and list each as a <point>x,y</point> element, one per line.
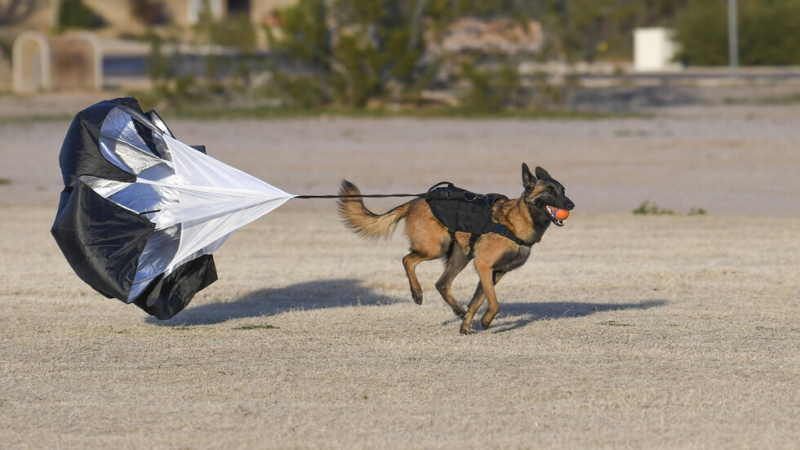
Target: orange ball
<point>560,214</point>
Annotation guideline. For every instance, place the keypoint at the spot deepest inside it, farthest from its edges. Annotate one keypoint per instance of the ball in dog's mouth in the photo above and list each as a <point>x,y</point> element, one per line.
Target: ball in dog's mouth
<point>558,215</point>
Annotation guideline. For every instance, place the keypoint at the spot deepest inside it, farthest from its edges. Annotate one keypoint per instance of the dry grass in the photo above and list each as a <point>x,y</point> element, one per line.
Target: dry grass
<point>621,331</point>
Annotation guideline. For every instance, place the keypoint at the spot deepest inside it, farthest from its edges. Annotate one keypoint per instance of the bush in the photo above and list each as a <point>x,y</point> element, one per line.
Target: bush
<point>355,51</point>
<point>767,33</point>
<point>302,91</point>
<point>75,14</point>
<point>492,90</point>
<point>373,49</point>
<point>647,208</point>
<point>587,30</point>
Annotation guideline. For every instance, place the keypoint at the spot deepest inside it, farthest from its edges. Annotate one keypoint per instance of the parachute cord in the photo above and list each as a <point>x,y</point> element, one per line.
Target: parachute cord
<point>361,196</point>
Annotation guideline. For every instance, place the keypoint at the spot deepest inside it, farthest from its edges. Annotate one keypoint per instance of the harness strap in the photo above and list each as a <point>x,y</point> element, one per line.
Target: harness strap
<point>472,240</point>
<point>503,230</point>
<point>453,242</point>
<point>500,229</point>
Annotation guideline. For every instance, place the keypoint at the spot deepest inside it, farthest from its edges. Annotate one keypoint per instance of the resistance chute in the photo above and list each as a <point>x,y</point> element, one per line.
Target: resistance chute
<point>141,212</point>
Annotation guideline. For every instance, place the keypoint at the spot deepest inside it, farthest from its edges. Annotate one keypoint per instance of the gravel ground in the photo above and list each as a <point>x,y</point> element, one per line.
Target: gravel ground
<point>621,331</point>
<point>736,160</point>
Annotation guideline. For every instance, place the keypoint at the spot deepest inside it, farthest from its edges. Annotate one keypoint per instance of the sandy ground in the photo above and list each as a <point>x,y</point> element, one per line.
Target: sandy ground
<point>621,331</point>
<point>736,160</point>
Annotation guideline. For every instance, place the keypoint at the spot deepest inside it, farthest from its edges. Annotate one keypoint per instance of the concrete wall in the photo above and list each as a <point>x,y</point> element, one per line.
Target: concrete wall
<point>68,62</point>
<point>76,62</point>
<point>31,63</point>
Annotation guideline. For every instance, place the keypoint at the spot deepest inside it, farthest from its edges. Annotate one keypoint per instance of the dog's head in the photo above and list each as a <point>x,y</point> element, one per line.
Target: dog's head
<point>543,194</point>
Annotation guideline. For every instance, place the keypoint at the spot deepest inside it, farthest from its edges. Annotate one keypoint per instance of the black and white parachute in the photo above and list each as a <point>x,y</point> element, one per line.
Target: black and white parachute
<point>141,212</point>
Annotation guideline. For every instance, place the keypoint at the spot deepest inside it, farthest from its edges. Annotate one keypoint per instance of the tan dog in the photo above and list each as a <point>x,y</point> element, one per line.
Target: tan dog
<point>528,217</point>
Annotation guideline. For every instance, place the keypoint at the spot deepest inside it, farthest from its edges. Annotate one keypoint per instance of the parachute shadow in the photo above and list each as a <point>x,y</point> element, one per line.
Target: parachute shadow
<point>523,314</point>
<point>321,294</point>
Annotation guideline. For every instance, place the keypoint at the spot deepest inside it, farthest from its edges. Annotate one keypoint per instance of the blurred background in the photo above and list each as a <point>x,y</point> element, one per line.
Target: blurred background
<point>256,57</point>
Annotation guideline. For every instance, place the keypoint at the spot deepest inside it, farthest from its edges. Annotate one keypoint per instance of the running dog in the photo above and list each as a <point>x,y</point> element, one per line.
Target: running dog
<point>528,217</point>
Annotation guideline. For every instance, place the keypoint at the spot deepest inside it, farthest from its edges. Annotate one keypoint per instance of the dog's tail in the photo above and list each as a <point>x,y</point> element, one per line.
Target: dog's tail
<point>364,222</point>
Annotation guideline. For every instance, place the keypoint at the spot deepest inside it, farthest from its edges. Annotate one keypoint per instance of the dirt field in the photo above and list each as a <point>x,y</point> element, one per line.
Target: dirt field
<point>621,331</point>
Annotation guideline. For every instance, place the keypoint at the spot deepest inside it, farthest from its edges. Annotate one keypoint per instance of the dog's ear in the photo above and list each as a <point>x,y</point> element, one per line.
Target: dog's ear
<point>542,174</point>
<point>528,180</point>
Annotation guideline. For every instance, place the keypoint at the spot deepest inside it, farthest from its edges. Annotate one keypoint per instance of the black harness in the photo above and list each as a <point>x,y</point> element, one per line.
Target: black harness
<point>465,211</point>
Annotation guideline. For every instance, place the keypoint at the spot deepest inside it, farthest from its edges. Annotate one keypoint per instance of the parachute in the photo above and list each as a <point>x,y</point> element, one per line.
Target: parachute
<point>141,212</point>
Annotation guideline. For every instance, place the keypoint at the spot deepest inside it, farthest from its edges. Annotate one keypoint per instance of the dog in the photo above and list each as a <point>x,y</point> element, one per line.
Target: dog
<point>528,217</point>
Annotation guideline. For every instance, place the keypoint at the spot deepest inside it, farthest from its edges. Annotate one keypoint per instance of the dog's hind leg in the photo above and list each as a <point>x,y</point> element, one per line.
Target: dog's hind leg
<point>477,301</point>
<point>410,262</point>
<point>456,262</point>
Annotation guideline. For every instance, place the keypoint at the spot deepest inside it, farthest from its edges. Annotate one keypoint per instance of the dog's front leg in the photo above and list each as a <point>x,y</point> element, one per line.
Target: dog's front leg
<point>488,279</point>
<point>474,305</point>
<point>494,306</point>
<point>477,301</point>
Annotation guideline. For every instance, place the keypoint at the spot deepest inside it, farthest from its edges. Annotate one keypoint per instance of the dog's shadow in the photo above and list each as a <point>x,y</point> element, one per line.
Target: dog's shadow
<point>344,293</point>
<point>523,314</point>
<point>268,302</point>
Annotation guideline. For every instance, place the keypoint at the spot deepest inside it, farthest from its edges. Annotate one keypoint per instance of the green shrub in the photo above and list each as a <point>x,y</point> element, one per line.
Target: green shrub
<point>492,90</point>
<point>647,208</point>
<point>374,45</point>
<point>767,32</point>
<point>75,14</point>
<point>305,32</point>
<point>300,91</point>
<point>235,32</point>
<point>697,212</point>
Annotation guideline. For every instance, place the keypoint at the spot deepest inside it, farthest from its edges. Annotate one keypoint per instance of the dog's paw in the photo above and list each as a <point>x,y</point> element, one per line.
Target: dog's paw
<point>466,328</point>
<point>417,296</point>
<point>460,312</point>
<point>486,320</point>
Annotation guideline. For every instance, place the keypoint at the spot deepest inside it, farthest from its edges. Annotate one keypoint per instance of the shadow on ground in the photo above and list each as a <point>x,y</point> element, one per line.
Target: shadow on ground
<point>523,314</point>
<point>348,293</point>
<point>267,302</point>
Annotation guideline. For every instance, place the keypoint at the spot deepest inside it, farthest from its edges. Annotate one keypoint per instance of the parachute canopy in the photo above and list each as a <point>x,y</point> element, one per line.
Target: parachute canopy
<point>141,212</point>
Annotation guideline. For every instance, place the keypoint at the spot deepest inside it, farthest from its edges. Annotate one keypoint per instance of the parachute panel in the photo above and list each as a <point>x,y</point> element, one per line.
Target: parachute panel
<point>141,212</point>
<point>102,241</point>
